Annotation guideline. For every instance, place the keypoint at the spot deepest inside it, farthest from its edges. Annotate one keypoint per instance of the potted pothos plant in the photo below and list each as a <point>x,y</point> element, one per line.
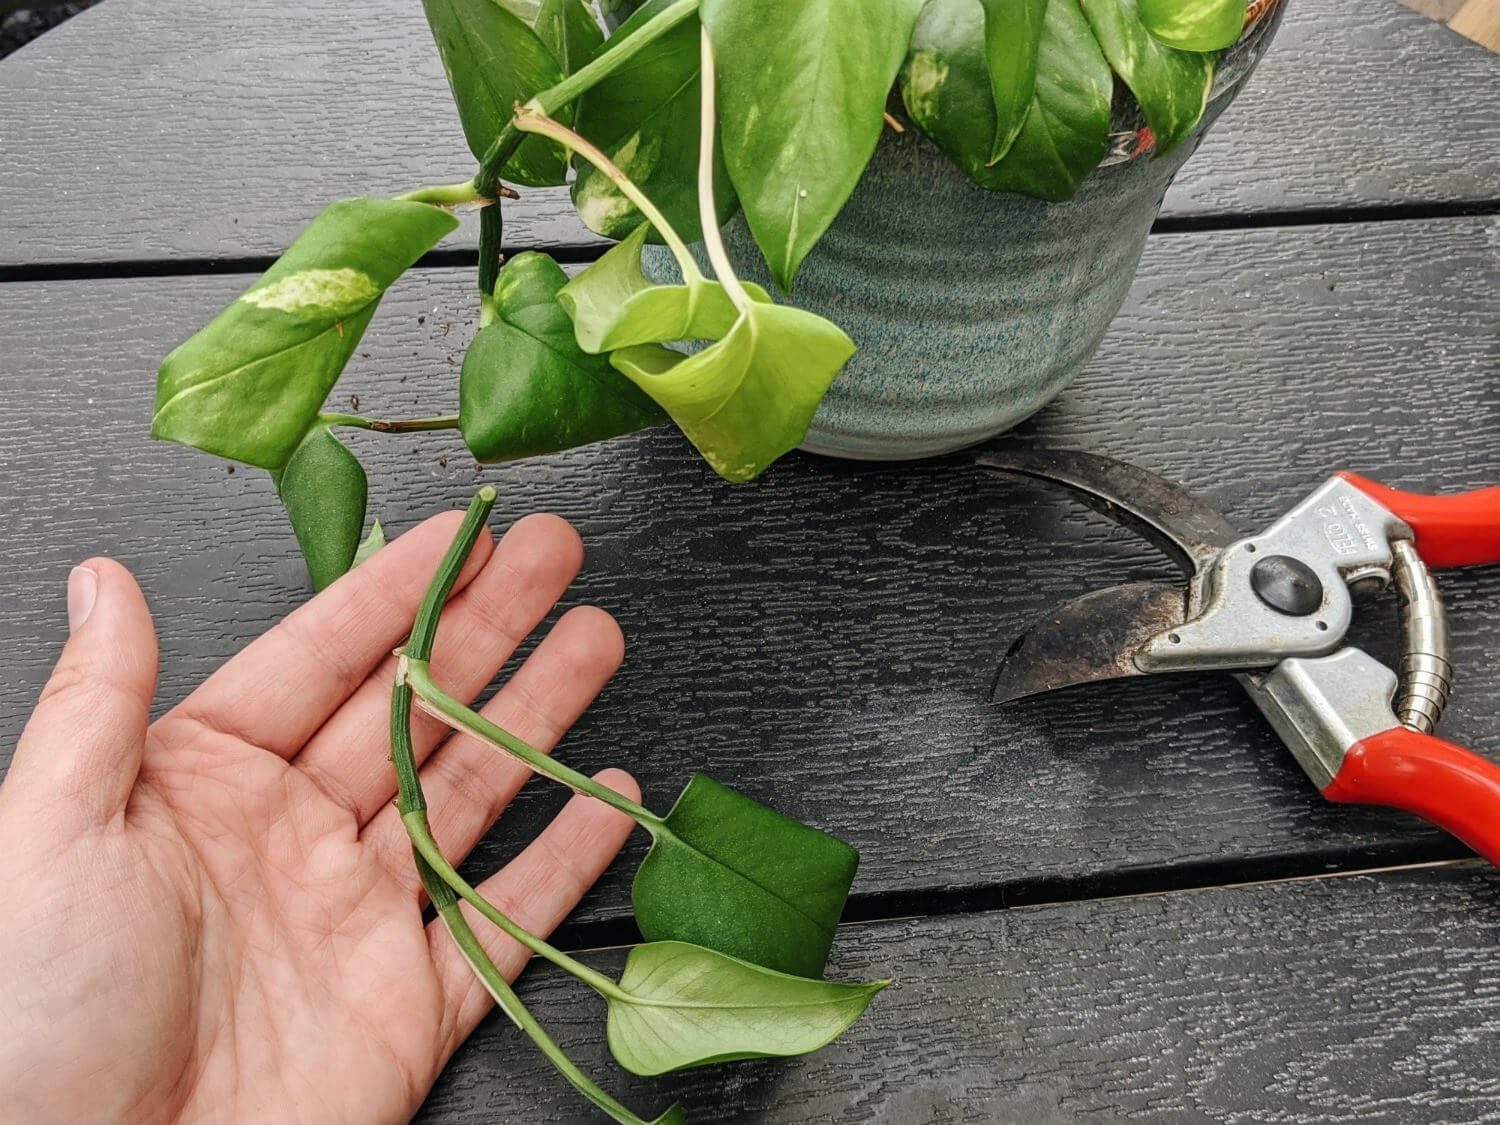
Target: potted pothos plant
<point>959,187</point>
<point>787,182</point>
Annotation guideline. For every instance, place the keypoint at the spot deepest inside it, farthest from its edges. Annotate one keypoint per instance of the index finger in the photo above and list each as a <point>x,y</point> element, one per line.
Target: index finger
<point>278,691</point>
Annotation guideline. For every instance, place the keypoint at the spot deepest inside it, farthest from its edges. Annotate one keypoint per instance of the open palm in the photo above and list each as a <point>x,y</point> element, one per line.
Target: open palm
<point>218,917</point>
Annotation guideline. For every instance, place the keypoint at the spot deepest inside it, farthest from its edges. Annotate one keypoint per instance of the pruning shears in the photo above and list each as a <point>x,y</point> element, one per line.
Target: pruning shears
<point>1273,609</point>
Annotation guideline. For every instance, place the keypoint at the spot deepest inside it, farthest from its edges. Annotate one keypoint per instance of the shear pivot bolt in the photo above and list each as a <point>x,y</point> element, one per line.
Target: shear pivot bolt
<point>1287,585</point>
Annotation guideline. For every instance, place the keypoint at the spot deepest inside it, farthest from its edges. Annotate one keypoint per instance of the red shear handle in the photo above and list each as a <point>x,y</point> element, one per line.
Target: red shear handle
<point>1458,530</point>
<point>1440,782</point>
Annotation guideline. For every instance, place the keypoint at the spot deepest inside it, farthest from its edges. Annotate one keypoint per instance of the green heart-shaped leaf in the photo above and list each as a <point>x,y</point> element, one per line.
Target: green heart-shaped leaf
<point>801,99</point>
<point>687,1006</point>
<point>323,489</point>
<point>730,874</point>
<point>250,384</point>
<point>494,60</point>
<point>748,399</point>
<point>1012,31</point>
<point>1171,86</point>
<point>527,388</point>
<point>645,117</point>
<point>614,305</point>
<point>1195,25</point>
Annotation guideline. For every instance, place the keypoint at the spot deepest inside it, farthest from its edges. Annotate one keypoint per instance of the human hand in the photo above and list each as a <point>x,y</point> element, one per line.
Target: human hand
<point>217,916</point>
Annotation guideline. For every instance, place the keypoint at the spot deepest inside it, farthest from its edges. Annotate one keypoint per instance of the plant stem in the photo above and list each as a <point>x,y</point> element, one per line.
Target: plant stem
<point>445,195</point>
<point>409,796</point>
<point>398,426</point>
<point>438,876</point>
<point>708,215</point>
<point>550,100</point>
<point>586,77</point>
<point>491,233</point>
<point>530,120</point>
<point>509,1003</point>
<point>421,837</point>
<point>418,675</point>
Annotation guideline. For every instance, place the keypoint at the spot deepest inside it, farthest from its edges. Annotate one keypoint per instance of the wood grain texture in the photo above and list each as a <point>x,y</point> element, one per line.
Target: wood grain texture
<point>233,124</point>
<point>1358,998</point>
<point>1479,20</point>
<point>824,639</point>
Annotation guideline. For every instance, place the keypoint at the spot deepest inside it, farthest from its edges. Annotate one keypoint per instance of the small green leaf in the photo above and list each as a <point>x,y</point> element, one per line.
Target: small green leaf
<point>732,875</point>
<point>749,398</point>
<point>1012,31</point>
<point>1195,25</point>
<point>323,489</point>
<point>614,305</point>
<point>645,117</point>
<point>493,61</point>
<point>801,99</point>
<point>687,1006</point>
<point>570,31</point>
<point>1066,131</point>
<point>1171,86</point>
<point>527,388</point>
<point>369,545</point>
<point>250,384</point>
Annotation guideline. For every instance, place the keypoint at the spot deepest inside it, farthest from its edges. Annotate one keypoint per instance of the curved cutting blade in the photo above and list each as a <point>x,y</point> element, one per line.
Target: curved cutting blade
<point>1185,528</point>
<point>1091,638</point>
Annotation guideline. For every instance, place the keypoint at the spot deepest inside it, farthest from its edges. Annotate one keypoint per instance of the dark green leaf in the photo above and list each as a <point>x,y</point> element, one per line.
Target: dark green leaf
<point>748,399</point>
<point>494,60</point>
<point>645,117</point>
<point>1171,85</point>
<point>730,874</point>
<point>614,305</point>
<point>1012,30</point>
<point>570,31</point>
<point>688,1006</point>
<point>250,384</point>
<point>946,84</point>
<point>369,544</point>
<point>526,386</point>
<point>1066,131</point>
<point>801,99</point>
<point>323,489</point>
<point>1195,25</point>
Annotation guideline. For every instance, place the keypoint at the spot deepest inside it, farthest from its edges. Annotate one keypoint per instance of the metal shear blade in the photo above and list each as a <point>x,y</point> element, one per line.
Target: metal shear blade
<point>1096,637</point>
<point>1091,638</point>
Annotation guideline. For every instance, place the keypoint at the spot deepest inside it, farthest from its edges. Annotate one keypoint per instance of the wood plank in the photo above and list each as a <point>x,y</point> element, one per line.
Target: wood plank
<point>235,123</point>
<point>825,638</point>
<point>1479,20</point>
<point>1343,999</point>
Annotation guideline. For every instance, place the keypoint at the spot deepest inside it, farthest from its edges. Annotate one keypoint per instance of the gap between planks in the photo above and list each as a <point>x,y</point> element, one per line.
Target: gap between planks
<point>460,258</point>
<point>864,910</point>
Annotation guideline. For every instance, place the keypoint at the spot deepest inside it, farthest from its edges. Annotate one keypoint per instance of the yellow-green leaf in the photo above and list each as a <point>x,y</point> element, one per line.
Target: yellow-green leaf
<point>685,1006</point>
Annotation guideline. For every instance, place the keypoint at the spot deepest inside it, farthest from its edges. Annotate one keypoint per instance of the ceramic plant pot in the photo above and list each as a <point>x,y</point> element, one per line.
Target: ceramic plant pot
<point>973,308</point>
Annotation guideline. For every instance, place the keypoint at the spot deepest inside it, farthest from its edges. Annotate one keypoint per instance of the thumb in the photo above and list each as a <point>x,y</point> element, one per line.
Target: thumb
<point>81,751</point>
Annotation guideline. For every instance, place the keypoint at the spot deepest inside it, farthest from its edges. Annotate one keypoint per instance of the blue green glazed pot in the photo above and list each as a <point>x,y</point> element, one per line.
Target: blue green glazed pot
<point>972,308</point>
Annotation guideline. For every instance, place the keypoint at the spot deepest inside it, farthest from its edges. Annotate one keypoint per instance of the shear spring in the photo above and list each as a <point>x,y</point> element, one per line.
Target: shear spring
<point>1426,675</point>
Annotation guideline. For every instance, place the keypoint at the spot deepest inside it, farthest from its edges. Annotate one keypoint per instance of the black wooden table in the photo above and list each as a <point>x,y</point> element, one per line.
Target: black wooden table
<point>1126,901</point>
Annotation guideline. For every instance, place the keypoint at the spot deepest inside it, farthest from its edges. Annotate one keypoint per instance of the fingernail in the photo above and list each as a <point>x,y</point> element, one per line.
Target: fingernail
<point>83,588</point>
